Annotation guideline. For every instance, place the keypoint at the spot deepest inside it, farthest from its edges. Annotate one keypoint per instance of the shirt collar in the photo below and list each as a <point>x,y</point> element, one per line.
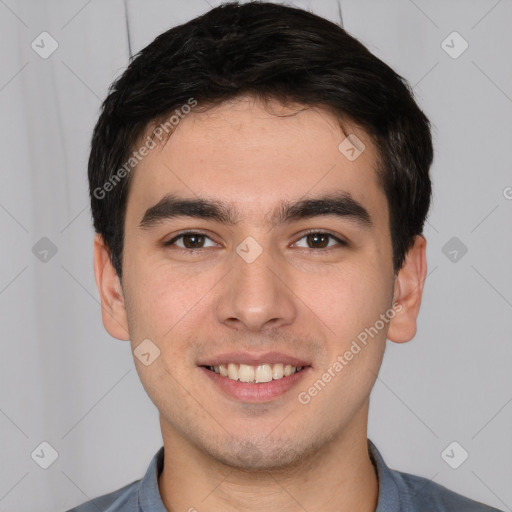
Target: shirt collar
<point>389,488</point>
<point>149,499</point>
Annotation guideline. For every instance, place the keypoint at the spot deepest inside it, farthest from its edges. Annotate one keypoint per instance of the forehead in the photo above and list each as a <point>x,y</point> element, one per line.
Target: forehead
<point>253,156</point>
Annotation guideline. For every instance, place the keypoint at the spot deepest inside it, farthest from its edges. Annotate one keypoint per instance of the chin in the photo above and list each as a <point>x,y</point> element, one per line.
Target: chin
<point>252,456</point>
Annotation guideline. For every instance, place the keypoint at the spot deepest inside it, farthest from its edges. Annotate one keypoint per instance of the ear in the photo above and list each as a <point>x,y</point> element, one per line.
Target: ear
<point>408,292</point>
<point>111,293</point>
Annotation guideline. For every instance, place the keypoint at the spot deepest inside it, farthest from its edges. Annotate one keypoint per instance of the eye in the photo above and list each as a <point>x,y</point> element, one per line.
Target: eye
<point>320,240</point>
<point>197,240</point>
<point>190,240</point>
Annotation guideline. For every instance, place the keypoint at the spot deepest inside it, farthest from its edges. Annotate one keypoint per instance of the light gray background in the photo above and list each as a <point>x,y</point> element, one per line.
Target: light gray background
<point>66,382</point>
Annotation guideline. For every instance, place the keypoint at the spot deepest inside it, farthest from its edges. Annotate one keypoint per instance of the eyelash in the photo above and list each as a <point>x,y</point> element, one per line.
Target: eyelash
<point>171,242</point>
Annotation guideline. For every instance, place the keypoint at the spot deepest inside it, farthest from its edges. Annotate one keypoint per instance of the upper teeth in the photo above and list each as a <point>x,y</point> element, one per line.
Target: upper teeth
<point>260,373</point>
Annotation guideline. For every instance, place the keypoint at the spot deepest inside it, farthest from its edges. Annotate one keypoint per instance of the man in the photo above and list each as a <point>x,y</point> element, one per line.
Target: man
<point>259,183</point>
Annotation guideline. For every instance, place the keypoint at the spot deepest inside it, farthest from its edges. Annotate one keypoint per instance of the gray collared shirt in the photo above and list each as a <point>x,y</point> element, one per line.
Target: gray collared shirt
<point>398,492</point>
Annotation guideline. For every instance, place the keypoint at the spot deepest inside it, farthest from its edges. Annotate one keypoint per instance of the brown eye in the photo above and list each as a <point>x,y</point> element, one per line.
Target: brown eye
<point>320,240</point>
<point>193,241</point>
<point>190,240</point>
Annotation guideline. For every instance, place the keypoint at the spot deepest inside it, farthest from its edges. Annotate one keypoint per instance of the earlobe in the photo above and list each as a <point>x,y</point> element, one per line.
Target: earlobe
<point>111,293</point>
<point>408,292</point>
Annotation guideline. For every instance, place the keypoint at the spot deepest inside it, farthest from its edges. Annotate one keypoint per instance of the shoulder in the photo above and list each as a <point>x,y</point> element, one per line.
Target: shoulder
<point>404,492</point>
<point>133,497</point>
<point>124,499</point>
<point>425,495</point>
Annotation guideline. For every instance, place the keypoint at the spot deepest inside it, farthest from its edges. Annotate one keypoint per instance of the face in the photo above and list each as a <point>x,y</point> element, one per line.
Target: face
<point>249,280</point>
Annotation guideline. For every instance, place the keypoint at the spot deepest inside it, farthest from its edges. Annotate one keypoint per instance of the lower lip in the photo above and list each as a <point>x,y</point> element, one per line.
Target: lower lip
<point>256,392</point>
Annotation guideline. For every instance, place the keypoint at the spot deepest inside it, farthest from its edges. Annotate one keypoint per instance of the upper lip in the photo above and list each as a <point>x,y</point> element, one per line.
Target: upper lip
<point>253,359</point>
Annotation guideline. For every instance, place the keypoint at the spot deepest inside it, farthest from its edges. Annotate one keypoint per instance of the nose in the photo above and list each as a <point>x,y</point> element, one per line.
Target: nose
<point>257,294</point>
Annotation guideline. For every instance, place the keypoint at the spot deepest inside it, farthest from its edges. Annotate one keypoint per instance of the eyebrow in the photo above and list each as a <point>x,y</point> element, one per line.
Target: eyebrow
<point>340,205</point>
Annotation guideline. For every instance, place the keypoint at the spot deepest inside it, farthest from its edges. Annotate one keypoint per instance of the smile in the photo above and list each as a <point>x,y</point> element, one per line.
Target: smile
<point>255,374</point>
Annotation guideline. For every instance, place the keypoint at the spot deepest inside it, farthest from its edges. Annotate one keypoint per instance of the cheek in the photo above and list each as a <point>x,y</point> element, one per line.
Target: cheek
<point>347,300</point>
<point>350,303</point>
<point>166,303</point>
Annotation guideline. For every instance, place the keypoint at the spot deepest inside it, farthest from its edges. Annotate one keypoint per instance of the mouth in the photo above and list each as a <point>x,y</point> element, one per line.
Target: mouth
<point>254,374</point>
<point>255,379</point>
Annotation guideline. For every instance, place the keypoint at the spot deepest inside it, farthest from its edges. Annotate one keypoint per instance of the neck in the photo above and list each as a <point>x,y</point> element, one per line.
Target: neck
<point>338,477</point>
